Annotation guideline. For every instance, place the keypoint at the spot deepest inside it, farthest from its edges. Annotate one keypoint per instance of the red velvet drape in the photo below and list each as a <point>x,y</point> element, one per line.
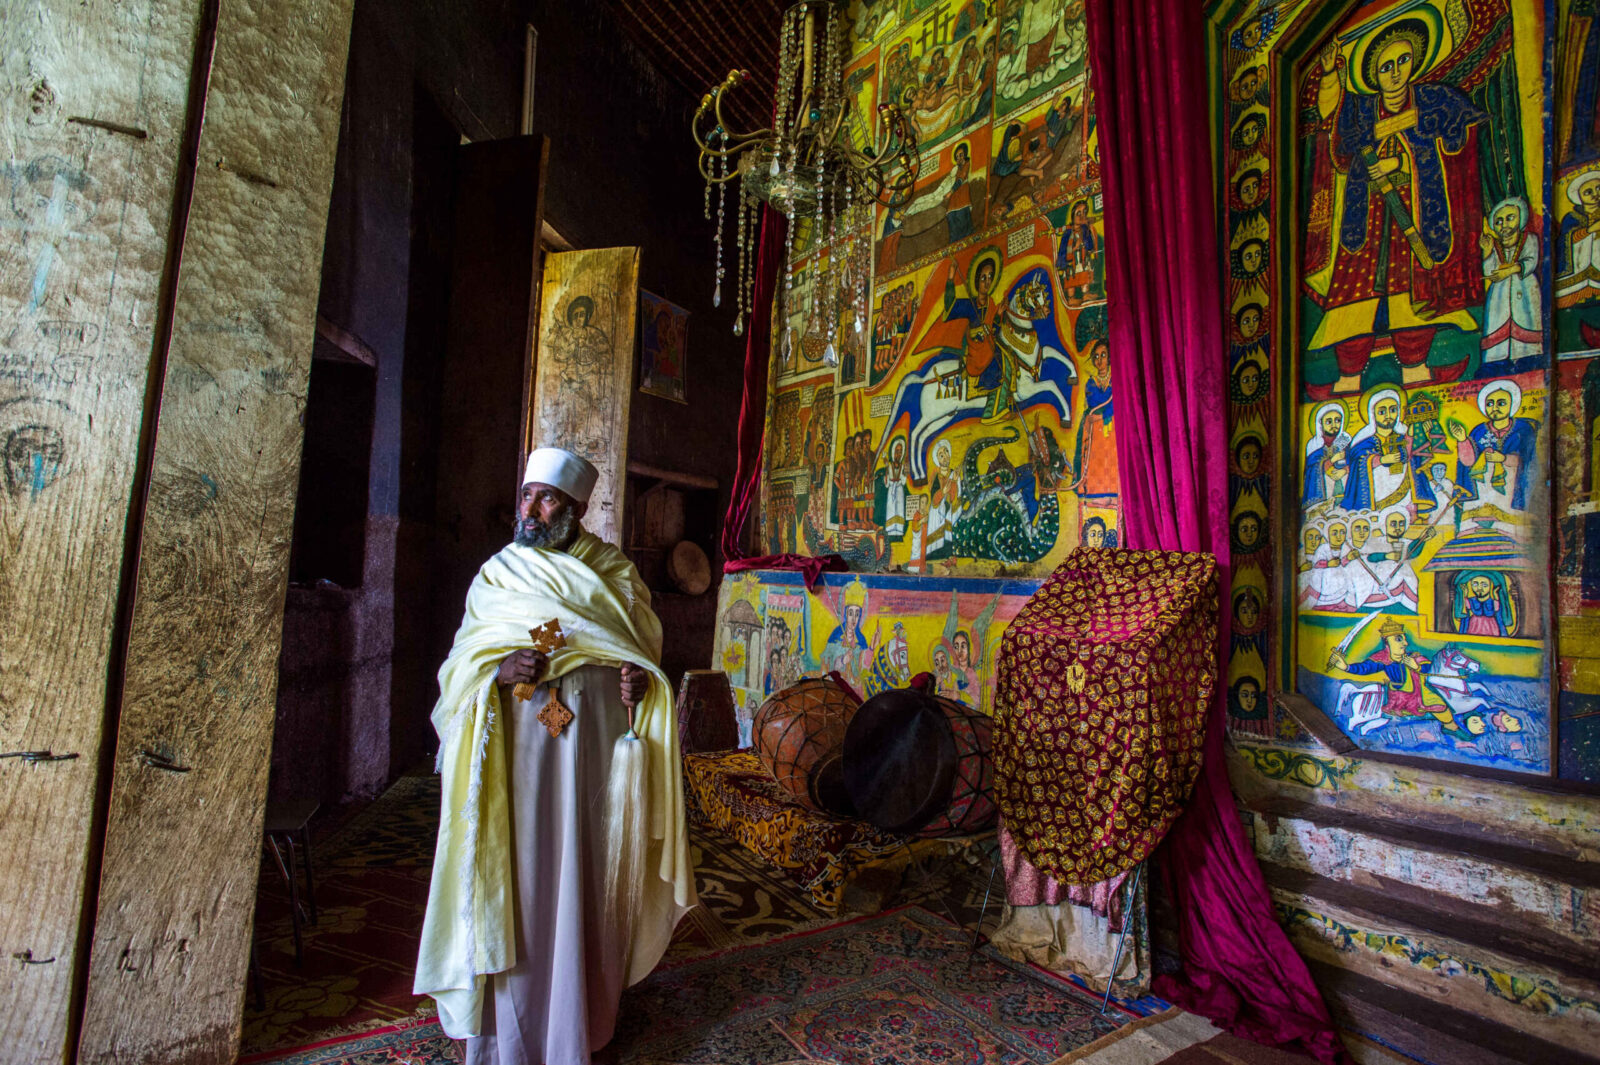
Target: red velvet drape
<point>1167,366</point>
<point>753,419</point>
<point>753,407</point>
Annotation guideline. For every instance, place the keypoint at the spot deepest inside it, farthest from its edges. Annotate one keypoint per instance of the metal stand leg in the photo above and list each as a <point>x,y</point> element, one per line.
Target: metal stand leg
<point>1122,938</point>
<point>983,911</point>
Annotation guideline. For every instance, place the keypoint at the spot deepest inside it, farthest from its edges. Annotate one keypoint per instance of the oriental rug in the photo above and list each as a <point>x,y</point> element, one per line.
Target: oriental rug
<point>899,988</point>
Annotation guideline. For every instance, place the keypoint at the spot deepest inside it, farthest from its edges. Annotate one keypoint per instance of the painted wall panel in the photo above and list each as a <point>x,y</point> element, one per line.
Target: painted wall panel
<point>966,425</point>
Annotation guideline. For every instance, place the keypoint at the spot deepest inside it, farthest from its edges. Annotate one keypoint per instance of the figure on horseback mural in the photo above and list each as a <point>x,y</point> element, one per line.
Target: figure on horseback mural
<point>1414,687</point>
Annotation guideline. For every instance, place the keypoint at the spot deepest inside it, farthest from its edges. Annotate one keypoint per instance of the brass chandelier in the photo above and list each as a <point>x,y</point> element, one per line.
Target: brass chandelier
<point>817,164</point>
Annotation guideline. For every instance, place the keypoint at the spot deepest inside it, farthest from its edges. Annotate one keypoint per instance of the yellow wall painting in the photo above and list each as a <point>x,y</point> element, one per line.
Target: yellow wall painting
<point>877,631</point>
<point>966,428</point>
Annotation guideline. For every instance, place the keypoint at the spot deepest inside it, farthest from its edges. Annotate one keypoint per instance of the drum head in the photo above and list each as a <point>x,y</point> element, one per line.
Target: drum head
<point>899,761</point>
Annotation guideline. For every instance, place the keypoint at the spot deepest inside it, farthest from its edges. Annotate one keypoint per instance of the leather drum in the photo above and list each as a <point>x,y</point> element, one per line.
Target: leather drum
<point>919,764</point>
<point>706,718</point>
<point>799,736</point>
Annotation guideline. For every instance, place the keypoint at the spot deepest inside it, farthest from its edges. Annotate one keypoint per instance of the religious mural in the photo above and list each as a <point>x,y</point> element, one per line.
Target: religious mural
<point>1576,155</point>
<point>876,631</point>
<point>1577,570</point>
<point>1422,568</point>
<point>1412,331</point>
<point>970,430</point>
<point>1575,328</point>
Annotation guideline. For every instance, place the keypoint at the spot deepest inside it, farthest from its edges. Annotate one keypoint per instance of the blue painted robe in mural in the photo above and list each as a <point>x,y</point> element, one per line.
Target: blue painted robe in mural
<point>1520,439</point>
<point>1358,490</point>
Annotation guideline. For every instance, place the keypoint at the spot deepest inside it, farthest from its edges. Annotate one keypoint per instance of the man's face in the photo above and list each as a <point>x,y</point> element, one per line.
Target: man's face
<point>1359,533</point>
<point>1095,535</point>
<point>1395,526</point>
<point>962,159</point>
<point>1506,222</point>
<point>1497,408</point>
<point>1590,196</point>
<point>1313,540</point>
<point>1336,536</point>
<point>1250,36</point>
<point>1250,134</point>
<point>1248,694</point>
<point>1080,213</point>
<point>1249,188</point>
<point>547,517</point>
<point>985,276</point>
<point>1396,644</point>
<point>1480,587</point>
<point>1437,469</point>
<point>941,661</point>
<point>1249,322</point>
<point>1386,413</point>
<point>852,617</point>
<point>1249,529</point>
<point>580,317</point>
<point>1332,422</point>
<point>1250,257</point>
<point>1395,67</point>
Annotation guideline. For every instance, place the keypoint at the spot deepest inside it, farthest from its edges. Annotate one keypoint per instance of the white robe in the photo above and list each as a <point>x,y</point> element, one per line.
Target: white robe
<point>1513,307</point>
<point>558,1003</point>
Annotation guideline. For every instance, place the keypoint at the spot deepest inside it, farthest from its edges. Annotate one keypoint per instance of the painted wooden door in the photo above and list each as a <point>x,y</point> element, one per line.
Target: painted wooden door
<point>584,379</point>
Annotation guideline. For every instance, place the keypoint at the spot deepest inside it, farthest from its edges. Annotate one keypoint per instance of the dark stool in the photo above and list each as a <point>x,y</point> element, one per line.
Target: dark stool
<point>288,829</point>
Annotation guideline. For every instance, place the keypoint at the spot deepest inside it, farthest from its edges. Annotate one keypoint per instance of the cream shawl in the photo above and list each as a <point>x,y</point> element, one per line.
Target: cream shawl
<point>604,610</point>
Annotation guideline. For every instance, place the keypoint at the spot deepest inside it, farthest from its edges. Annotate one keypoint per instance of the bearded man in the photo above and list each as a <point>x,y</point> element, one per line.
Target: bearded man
<point>520,906</point>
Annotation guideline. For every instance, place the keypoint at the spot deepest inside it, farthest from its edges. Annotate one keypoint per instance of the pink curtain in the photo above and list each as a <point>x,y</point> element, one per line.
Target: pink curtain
<point>1163,282</point>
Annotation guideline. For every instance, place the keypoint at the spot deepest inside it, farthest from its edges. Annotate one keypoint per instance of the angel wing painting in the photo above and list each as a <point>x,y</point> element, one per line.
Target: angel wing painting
<point>963,652</point>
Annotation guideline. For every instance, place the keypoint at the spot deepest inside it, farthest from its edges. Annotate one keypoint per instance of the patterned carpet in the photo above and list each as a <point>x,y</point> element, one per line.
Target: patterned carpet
<point>905,984</point>
<point>898,988</point>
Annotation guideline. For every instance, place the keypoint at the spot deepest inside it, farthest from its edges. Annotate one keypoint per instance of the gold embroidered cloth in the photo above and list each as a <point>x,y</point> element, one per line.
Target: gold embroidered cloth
<point>1104,681</point>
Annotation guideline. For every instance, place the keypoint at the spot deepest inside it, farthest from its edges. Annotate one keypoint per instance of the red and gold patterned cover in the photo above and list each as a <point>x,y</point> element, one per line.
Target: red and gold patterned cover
<point>1104,681</point>
<point>733,792</point>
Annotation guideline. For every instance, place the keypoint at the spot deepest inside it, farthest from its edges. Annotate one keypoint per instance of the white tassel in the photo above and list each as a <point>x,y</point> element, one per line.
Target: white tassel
<point>627,833</point>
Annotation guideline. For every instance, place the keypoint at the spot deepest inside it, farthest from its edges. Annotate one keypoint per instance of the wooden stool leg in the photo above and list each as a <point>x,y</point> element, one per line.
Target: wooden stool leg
<point>255,978</point>
<point>288,872</point>
<point>311,883</point>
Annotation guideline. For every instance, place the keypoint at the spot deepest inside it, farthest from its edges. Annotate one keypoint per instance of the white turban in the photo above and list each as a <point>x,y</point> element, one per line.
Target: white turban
<point>560,468</point>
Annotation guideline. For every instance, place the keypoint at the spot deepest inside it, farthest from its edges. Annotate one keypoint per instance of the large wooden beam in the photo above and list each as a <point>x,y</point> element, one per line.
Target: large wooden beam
<point>93,98</point>
<point>183,836</point>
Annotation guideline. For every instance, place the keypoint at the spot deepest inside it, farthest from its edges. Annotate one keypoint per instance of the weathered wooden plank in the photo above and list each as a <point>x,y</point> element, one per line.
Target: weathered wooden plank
<point>170,943</point>
<point>93,97</point>
<point>584,369</point>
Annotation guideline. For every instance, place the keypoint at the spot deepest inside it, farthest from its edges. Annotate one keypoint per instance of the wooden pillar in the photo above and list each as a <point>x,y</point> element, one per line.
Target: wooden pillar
<point>183,832</point>
<point>93,99</point>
